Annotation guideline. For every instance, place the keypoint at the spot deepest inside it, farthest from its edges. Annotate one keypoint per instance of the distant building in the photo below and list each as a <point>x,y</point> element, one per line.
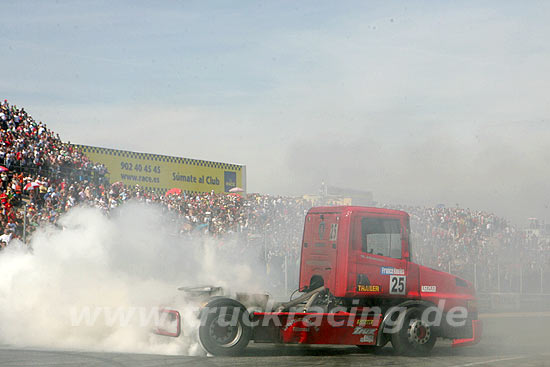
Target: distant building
<point>538,228</point>
<point>332,195</point>
<point>358,197</point>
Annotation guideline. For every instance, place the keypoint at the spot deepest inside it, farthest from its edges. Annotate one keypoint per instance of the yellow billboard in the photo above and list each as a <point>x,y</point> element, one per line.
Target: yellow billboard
<point>161,173</point>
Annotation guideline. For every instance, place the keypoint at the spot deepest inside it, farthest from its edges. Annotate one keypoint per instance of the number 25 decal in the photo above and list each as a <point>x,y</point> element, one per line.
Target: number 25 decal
<point>398,284</point>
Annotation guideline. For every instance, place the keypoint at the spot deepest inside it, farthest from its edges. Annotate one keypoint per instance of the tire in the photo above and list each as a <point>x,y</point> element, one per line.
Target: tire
<point>223,331</point>
<point>414,338</point>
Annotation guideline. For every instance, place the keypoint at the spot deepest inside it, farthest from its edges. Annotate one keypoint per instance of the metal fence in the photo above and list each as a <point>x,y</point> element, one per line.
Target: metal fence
<point>499,278</point>
<point>506,277</point>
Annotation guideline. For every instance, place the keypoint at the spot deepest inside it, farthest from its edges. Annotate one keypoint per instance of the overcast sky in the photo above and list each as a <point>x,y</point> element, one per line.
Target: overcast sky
<point>421,102</point>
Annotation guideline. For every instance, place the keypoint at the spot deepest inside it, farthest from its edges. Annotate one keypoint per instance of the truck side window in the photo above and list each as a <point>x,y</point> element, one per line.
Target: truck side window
<point>381,236</point>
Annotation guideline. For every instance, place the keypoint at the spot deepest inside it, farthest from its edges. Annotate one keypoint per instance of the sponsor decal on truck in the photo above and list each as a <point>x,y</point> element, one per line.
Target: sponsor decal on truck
<point>388,270</point>
<point>368,288</point>
<point>429,288</point>
<point>365,322</point>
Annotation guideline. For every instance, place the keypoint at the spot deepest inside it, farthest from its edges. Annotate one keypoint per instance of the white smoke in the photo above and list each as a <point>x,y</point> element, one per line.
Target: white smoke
<point>128,264</point>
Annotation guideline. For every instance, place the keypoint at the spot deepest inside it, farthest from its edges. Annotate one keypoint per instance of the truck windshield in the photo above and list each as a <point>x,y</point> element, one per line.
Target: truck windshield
<point>381,236</point>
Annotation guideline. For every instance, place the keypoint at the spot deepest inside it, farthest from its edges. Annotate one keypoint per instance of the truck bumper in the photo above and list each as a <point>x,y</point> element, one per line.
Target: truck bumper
<point>477,330</point>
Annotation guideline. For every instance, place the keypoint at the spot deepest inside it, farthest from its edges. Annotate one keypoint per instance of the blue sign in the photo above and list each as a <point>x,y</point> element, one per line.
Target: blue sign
<point>229,180</point>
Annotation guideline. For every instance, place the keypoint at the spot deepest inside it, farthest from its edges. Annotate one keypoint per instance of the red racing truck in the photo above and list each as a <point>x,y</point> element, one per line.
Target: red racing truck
<point>359,287</point>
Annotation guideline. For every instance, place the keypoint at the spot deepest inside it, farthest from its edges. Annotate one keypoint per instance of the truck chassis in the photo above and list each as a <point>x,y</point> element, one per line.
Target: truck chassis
<point>227,327</point>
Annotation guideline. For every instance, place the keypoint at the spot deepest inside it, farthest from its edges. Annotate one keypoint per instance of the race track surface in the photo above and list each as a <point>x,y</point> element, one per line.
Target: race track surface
<point>509,340</point>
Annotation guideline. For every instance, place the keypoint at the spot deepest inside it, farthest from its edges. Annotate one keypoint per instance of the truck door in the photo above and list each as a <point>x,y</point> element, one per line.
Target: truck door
<point>377,241</point>
<point>318,260</point>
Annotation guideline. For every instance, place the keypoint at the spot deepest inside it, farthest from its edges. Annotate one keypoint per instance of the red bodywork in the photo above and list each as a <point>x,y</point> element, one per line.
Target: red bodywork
<point>341,328</point>
<point>477,330</point>
<point>338,258</point>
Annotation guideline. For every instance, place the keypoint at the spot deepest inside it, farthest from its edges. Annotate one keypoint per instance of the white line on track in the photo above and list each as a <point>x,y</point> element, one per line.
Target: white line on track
<point>489,361</point>
<point>513,314</point>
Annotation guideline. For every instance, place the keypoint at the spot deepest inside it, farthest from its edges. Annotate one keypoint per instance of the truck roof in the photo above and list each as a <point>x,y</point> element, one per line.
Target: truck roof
<point>352,208</point>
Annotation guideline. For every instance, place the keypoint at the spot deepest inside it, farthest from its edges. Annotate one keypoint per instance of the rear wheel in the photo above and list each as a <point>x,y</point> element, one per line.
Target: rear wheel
<point>415,337</point>
<point>224,332</point>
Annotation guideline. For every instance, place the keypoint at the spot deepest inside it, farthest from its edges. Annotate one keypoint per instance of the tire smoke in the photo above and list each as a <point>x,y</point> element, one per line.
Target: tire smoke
<point>117,270</point>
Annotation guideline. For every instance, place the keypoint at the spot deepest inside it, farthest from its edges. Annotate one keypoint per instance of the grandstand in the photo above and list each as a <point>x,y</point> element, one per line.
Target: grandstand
<point>42,177</point>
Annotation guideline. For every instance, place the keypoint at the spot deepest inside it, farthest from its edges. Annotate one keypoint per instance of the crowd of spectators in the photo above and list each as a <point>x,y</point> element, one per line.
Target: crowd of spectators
<point>477,245</point>
<point>450,239</point>
<point>456,236</point>
<point>32,154</point>
<point>29,147</point>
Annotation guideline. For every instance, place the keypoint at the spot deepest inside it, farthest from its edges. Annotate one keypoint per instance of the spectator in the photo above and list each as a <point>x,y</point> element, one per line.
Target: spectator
<point>5,238</point>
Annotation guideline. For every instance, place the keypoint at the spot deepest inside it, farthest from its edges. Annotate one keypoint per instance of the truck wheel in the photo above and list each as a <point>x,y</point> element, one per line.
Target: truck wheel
<point>223,331</point>
<point>414,337</point>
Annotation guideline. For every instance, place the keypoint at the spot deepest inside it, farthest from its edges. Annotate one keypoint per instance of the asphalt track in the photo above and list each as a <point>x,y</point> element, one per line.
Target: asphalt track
<point>509,340</point>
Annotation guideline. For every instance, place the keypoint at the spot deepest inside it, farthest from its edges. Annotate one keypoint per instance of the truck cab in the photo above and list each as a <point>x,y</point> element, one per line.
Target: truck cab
<point>358,252</point>
<point>364,254</point>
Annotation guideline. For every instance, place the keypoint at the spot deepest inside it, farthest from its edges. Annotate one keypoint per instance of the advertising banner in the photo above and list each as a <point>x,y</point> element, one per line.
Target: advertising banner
<point>161,173</point>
